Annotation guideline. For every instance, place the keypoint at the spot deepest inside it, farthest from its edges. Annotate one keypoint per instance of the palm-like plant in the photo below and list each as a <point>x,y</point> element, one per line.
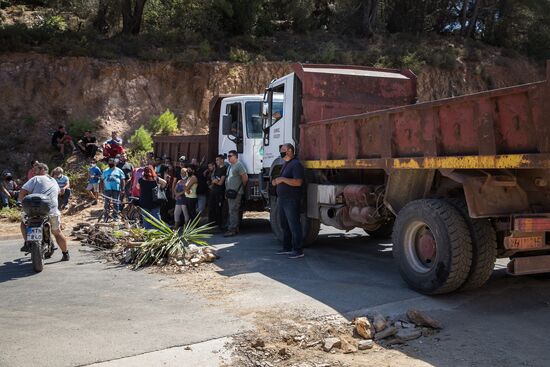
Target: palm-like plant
<point>163,242</point>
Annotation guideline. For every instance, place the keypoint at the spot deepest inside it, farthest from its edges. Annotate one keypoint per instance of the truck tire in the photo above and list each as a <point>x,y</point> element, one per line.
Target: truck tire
<point>36,257</point>
<point>484,247</point>
<point>432,246</point>
<point>384,231</point>
<point>310,227</point>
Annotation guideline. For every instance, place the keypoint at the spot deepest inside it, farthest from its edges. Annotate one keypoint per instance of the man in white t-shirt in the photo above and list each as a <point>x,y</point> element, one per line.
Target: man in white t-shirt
<point>44,184</point>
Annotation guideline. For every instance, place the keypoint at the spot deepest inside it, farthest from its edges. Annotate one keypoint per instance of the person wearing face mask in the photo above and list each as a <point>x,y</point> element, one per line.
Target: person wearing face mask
<point>289,194</point>
<point>113,182</point>
<point>8,189</point>
<point>94,177</point>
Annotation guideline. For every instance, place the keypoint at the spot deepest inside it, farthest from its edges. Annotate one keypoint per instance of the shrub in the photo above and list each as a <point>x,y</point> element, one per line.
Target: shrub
<point>136,156</point>
<point>141,140</point>
<point>78,178</point>
<point>239,55</point>
<point>165,124</point>
<point>11,214</point>
<point>411,61</point>
<point>76,128</point>
<point>54,24</point>
<point>163,242</point>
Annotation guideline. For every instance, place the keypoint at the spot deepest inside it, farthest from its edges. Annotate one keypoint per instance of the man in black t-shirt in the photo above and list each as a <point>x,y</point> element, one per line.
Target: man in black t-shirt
<point>60,138</point>
<point>289,194</point>
<point>88,144</point>
<point>216,198</point>
<point>127,168</point>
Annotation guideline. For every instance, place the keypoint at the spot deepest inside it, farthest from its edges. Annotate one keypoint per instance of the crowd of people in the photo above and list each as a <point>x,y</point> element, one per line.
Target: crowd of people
<point>176,193</point>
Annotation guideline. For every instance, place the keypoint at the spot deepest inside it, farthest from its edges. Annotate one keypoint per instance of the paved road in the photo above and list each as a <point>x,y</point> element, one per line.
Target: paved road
<point>82,312</point>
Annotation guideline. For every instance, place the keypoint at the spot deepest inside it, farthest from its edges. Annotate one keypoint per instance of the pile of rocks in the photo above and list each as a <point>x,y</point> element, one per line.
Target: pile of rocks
<point>123,241</point>
<point>376,328</point>
<point>292,346</point>
<point>192,258</point>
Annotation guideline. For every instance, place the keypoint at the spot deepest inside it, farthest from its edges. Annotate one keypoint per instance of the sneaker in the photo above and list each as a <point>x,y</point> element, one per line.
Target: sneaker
<point>25,248</point>
<point>230,234</point>
<point>296,255</point>
<point>65,256</point>
<point>284,252</point>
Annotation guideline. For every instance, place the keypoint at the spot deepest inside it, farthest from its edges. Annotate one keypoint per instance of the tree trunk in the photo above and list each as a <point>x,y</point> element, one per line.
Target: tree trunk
<point>473,19</point>
<point>100,21</point>
<point>132,15</point>
<point>464,18</point>
<point>368,16</point>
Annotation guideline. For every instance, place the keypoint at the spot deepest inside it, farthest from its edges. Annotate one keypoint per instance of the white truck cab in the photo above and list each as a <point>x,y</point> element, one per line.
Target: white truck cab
<point>240,129</point>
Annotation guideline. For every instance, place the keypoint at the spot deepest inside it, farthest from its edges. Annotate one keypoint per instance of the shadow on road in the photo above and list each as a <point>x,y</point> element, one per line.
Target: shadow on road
<point>18,268</point>
<point>351,271</point>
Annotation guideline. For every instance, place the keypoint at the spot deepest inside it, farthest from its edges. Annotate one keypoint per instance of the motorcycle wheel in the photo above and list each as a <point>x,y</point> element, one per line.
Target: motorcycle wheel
<point>36,257</point>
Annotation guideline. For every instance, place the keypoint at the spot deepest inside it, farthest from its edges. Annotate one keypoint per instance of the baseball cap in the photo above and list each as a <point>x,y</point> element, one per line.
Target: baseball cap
<point>182,158</point>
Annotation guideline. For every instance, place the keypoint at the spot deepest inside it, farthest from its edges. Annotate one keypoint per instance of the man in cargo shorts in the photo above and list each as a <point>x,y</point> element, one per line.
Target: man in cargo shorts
<point>289,198</point>
<point>94,177</point>
<point>44,184</point>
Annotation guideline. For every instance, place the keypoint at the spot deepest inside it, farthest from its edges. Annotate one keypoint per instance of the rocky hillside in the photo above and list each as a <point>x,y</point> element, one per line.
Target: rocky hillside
<point>42,91</point>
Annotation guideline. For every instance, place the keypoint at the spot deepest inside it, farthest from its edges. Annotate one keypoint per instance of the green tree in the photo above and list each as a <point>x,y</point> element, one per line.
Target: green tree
<point>165,124</point>
<point>141,140</point>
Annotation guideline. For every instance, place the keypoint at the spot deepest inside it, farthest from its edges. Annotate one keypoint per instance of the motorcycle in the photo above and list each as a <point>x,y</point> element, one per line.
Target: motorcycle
<point>37,222</point>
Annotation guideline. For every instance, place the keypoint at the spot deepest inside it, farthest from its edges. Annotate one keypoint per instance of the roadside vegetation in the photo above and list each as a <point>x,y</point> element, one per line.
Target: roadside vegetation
<point>391,33</point>
<point>10,214</point>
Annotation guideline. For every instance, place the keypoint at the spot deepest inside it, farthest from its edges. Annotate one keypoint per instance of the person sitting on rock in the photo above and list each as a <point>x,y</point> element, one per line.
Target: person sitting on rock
<point>30,172</point>
<point>60,139</point>
<point>64,187</point>
<point>8,189</point>
<point>113,146</point>
<point>88,144</point>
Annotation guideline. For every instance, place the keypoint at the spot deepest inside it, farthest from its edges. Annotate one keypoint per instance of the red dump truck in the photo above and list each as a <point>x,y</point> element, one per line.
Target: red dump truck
<point>458,182</point>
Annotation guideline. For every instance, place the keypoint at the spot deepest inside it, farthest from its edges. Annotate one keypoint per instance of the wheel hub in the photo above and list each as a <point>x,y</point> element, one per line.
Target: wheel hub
<point>426,247</point>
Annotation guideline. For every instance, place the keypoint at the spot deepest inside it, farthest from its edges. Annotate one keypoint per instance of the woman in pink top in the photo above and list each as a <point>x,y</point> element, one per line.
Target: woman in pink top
<point>30,172</point>
<point>137,173</point>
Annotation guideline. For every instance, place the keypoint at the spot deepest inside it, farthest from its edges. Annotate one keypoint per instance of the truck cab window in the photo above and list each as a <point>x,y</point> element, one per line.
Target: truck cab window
<point>277,107</point>
<point>234,110</point>
<point>253,112</point>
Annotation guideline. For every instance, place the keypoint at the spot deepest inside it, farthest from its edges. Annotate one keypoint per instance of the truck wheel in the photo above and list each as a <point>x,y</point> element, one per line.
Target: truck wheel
<point>36,257</point>
<point>432,246</point>
<point>484,247</point>
<point>310,227</point>
<point>384,231</point>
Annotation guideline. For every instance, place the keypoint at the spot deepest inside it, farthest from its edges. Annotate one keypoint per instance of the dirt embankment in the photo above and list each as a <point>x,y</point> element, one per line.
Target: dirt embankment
<point>41,91</point>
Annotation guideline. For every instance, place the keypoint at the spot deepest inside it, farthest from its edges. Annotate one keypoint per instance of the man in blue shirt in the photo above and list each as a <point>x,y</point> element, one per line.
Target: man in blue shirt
<point>94,177</point>
<point>289,194</point>
<point>64,187</point>
<point>113,182</point>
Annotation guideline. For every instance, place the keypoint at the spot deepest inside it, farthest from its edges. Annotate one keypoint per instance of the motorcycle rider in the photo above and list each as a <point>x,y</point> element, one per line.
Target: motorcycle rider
<point>44,184</point>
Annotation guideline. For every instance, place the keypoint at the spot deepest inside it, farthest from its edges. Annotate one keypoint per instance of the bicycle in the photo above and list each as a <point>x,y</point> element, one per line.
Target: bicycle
<point>131,213</point>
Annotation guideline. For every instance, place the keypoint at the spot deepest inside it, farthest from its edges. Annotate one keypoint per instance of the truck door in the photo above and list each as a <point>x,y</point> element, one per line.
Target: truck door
<point>231,128</point>
<point>253,135</point>
<point>279,122</point>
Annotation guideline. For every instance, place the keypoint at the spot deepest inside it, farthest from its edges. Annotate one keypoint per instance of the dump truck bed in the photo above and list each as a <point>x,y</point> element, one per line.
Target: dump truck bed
<point>502,128</point>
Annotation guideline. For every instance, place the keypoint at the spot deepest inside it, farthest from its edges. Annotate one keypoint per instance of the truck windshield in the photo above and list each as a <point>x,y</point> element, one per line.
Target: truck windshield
<point>253,112</point>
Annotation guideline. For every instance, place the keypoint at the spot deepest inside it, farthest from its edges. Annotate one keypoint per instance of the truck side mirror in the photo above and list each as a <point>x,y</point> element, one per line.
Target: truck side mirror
<point>226,124</point>
<point>265,109</point>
